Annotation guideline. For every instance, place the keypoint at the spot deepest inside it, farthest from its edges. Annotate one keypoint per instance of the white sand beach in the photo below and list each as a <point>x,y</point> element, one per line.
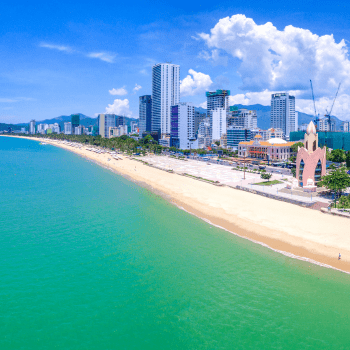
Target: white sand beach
<point>282,226</point>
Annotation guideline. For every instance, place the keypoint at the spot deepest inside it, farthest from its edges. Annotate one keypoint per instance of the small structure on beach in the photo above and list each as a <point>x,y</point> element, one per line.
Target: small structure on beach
<point>311,161</point>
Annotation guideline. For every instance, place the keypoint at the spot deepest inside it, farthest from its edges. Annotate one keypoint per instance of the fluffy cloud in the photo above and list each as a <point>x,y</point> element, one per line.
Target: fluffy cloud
<point>198,83</point>
<point>137,88</point>
<point>281,60</point>
<point>120,107</point>
<point>103,56</point>
<point>121,91</point>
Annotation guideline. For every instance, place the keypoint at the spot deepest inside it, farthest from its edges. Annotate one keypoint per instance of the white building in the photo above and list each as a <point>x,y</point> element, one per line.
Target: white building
<point>247,119</point>
<point>218,123</point>
<point>165,93</point>
<point>204,134</point>
<point>283,113</point>
<point>32,127</point>
<point>217,99</point>
<point>345,127</point>
<point>41,128</point>
<point>56,128</point>
<point>79,130</point>
<point>117,131</point>
<point>323,125</point>
<point>183,134</point>
<point>68,128</point>
<point>106,121</point>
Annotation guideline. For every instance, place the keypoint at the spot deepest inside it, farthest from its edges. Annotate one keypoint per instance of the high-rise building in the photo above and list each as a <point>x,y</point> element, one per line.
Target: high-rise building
<point>145,113</point>
<point>68,128</point>
<point>243,117</point>
<point>182,130</point>
<point>75,120</point>
<point>32,127</point>
<point>119,120</point>
<point>217,99</point>
<point>79,130</point>
<point>41,128</point>
<point>283,113</point>
<point>105,121</point>
<point>165,93</point>
<point>237,134</point>
<point>324,125</point>
<point>204,134</point>
<point>198,118</point>
<point>56,128</point>
<point>218,123</point>
<point>345,127</point>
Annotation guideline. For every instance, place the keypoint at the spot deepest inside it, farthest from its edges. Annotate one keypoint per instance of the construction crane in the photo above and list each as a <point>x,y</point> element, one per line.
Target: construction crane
<point>313,98</point>
<point>328,115</point>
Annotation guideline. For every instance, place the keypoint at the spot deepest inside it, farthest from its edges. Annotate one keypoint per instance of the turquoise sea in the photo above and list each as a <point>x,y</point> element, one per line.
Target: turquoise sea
<point>90,260</point>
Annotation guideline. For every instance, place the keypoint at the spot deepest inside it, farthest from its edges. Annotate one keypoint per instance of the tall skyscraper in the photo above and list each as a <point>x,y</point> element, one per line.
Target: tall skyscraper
<point>75,119</point>
<point>165,93</point>
<point>283,112</point>
<point>119,120</point>
<point>245,118</point>
<point>217,99</point>
<point>145,113</point>
<point>106,121</point>
<point>218,125</point>
<point>182,131</point>
<point>32,127</point>
<point>68,128</point>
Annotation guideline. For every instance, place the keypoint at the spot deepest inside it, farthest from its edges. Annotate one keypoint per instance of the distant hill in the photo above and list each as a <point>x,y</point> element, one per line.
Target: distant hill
<point>263,113</point>
<point>84,120</point>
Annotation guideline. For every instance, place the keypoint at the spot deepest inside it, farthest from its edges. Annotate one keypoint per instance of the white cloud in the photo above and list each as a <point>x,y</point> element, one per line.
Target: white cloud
<point>121,91</point>
<point>103,56</point>
<point>214,57</point>
<point>56,47</point>
<point>198,83</point>
<point>203,105</point>
<point>137,88</point>
<point>120,107</point>
<point>281,60</point>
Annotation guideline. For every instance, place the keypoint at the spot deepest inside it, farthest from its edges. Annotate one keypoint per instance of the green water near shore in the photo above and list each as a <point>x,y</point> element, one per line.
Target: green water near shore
<point>90,260</point>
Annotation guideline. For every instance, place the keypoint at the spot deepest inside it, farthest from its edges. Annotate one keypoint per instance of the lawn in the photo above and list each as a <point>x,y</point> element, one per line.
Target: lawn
<point>269,183</point>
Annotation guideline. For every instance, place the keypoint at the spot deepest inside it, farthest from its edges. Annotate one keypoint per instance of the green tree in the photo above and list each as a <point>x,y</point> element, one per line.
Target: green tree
<point>217,143</point>
<point>348,159</point>
<point>296,145</point>
<point>337,156</point>
<point>266,176</point>
<point>337,180</point>
<point>294,172</point>
<point>344,202</point>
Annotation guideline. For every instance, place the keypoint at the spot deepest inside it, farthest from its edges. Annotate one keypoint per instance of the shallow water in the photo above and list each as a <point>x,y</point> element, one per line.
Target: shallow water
<point>90,260</point>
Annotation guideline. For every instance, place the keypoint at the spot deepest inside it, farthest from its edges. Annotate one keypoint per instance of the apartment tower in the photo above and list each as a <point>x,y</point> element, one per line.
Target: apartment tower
<point>283,113</point>
<point>165,93</point>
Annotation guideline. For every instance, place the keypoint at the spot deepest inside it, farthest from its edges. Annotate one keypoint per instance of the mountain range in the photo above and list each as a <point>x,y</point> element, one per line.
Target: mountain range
<point>263,113</point>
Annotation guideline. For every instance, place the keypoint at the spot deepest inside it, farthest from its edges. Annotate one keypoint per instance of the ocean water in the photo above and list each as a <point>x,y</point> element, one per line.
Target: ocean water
<point>90,260</point>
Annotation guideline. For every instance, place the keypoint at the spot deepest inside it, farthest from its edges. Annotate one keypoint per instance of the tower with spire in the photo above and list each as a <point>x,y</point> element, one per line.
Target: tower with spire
<point>311,160</point>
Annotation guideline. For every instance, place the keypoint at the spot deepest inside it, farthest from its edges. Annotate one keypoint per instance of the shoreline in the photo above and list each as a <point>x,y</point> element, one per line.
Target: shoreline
<point>300,233</point>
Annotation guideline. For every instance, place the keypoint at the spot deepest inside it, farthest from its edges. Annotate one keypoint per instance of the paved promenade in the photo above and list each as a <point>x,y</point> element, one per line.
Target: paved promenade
<point>226,176</point>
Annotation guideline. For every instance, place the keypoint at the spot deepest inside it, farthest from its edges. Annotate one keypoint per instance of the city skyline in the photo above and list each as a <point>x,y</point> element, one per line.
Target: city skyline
<point>84,60</point>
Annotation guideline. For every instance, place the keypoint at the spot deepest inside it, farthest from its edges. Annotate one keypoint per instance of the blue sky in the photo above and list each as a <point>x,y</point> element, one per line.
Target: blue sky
<point>60,57</point>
